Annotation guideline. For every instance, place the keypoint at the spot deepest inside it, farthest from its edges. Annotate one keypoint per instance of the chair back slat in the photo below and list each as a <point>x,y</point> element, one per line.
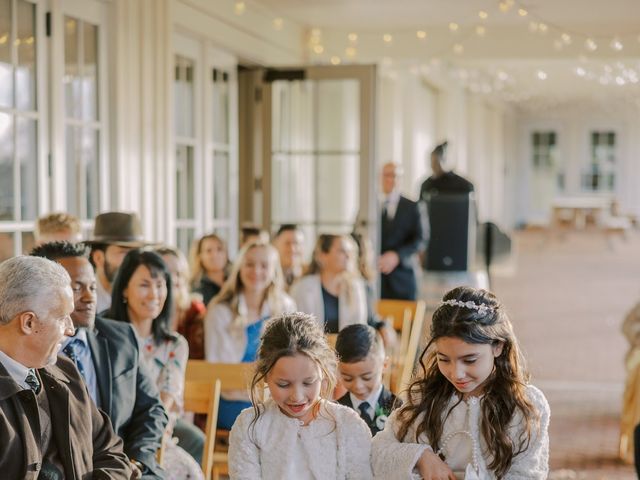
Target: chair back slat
<point>204,382</point>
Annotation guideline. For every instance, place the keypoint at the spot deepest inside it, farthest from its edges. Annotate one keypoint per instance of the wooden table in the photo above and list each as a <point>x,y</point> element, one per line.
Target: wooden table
<point>578,209</point>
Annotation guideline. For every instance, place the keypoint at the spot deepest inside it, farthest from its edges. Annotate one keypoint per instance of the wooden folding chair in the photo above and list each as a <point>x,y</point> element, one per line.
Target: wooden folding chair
<point>408,318</point>
<point>229,376</point>
<point>204,397</point>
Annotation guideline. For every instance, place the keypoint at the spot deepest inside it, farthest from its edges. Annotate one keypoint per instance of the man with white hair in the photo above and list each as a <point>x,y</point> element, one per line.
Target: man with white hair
<point>49,426</point>
<point>401,238</point>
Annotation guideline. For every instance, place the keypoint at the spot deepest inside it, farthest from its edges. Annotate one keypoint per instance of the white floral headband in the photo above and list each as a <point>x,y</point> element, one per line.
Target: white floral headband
<point>480,307</point>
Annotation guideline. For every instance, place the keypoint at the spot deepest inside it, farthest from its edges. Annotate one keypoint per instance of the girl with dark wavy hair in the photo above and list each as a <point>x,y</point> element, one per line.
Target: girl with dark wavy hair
<point>472,414</point>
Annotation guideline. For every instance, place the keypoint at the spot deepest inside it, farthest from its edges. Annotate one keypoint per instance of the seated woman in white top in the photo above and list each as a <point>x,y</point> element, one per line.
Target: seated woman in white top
<point>332,290</point>
<point>235,317</point>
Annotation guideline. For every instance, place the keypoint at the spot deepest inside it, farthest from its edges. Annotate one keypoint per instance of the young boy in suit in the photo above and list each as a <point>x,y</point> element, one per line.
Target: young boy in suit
<point>362,361</point>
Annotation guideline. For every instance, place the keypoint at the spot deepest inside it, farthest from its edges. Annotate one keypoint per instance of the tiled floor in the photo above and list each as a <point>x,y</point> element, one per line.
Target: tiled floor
<point>567,298</point>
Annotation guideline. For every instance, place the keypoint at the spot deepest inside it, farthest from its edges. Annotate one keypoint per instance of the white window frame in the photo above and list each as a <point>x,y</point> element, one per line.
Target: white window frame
<point>205,58</point>
<point>95,12</point>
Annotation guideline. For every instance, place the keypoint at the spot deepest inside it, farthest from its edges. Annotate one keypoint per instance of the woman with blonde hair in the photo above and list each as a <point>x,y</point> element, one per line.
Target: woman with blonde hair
<point>209,262</point>
<point>332,289</point>
<point>235,318</point>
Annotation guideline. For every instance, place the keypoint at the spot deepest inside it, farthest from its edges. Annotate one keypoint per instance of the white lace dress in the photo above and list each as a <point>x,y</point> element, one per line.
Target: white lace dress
<point>392,459</point>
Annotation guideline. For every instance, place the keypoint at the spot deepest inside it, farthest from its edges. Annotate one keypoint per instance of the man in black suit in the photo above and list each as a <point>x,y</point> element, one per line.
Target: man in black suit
<point>106,354</point>
<point>401,238</point>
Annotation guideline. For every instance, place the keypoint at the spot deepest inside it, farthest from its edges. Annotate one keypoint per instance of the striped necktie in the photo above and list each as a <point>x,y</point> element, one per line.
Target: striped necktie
<point>32,380</point>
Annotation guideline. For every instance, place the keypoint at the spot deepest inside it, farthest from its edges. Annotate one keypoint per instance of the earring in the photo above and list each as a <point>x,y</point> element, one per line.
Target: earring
<point>124,299</point>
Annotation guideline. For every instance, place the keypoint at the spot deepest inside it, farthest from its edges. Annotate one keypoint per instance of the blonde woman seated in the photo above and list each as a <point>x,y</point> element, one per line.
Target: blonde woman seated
<point>333,290</point>
<point>235,318</point>
<point>209,265</point>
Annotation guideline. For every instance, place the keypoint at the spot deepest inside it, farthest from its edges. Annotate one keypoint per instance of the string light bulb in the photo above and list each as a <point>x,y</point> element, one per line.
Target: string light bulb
<point>616,44</point>
<point>590,44</point>
<point>387,37</point>
<point>481,30</point>
<point>483,15</point>
<point>453,26</point>
<point>278,23</point>
<point>353,37</point>
<point>239,8</point>
<point>581,72</point>
<point>318,49</point>
<point>522,12</point>
<point>541,74</point>
<point>350,52</point>
<point>335,60</point>
<point>458,49</point>
<point>421,34</point>
<point>566,38</point>
<point>542,28</point>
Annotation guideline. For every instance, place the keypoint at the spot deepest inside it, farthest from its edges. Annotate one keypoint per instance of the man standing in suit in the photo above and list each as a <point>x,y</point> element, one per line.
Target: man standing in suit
<point>401,238</point>
<point>49,427</point>
<point>106,354</point>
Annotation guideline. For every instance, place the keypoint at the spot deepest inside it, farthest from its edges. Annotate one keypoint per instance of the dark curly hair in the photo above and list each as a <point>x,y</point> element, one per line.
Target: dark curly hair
<point>57,250</point>
<point>504,390</point>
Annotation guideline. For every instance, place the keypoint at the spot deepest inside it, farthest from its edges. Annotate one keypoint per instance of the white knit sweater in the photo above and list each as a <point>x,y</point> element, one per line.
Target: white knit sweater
<point>336,445</point>
<point>394,460</point>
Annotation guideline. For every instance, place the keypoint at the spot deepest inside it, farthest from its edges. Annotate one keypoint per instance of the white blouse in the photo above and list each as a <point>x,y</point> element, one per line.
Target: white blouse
<point>335,445</point>
<point>392,459</point>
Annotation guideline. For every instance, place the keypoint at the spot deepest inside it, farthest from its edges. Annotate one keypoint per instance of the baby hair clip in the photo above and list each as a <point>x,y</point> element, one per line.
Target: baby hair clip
<point>481,308</point>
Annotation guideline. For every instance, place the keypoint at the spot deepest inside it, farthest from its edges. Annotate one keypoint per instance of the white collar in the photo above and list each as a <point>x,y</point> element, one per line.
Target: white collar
<point>392,198</point>
<point>371,399</point>
<point>17,371</point>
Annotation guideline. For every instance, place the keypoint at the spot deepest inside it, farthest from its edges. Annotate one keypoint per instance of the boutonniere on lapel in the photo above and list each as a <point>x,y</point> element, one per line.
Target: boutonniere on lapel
<point>380,417</point>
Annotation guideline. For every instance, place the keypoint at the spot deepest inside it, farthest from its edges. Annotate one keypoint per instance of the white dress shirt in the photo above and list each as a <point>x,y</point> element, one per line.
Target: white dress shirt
<point>372,400</point>
<point>17,371</point>
<point>391,202</point>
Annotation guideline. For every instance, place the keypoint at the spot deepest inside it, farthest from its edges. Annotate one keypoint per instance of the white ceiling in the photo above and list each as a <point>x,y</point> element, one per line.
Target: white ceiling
<point>507,62</point>
<point>400,14</point>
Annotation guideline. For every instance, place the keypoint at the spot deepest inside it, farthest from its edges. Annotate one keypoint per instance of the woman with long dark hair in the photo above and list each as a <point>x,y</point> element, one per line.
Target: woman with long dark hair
<point>142,296</point>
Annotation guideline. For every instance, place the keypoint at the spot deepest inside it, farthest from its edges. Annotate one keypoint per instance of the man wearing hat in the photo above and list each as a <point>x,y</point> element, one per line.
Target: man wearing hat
<point>114,234</point>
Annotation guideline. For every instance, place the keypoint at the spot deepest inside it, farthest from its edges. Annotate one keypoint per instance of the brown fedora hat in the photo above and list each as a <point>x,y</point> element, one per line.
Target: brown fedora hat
<point>118,228</point>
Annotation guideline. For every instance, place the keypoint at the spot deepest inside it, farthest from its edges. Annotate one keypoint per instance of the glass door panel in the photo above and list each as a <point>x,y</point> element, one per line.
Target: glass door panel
<point>321,152</point>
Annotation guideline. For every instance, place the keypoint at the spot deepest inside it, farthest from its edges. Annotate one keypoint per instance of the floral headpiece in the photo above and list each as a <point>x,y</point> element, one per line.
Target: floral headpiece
<point>480,307</point>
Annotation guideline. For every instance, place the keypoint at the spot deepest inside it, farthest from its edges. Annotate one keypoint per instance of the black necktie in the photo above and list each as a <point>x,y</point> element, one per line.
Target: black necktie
<point>364,412</point>
<point>32,380</point>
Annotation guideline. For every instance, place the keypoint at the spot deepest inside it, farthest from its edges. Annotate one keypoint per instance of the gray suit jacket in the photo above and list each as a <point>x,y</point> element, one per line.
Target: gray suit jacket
<point>126,392</point>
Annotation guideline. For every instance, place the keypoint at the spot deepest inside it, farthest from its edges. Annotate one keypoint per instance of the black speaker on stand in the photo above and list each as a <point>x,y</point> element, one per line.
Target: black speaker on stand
<point>452,239</point>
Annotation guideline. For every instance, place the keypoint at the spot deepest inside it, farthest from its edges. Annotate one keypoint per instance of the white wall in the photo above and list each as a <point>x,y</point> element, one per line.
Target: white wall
<point>573,127</point>
<point>406,126</point>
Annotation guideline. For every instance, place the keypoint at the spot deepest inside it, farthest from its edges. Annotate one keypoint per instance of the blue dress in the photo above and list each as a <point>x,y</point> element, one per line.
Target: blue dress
<point>230,409</point>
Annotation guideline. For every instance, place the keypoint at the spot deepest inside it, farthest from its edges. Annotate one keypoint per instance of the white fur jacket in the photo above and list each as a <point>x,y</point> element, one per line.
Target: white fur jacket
<point>394,460</point>
<point>336,445</point>
<point>307,293</point>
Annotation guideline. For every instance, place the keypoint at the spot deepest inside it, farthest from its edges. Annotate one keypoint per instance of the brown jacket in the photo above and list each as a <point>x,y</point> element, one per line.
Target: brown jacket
<point>87,446</point>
